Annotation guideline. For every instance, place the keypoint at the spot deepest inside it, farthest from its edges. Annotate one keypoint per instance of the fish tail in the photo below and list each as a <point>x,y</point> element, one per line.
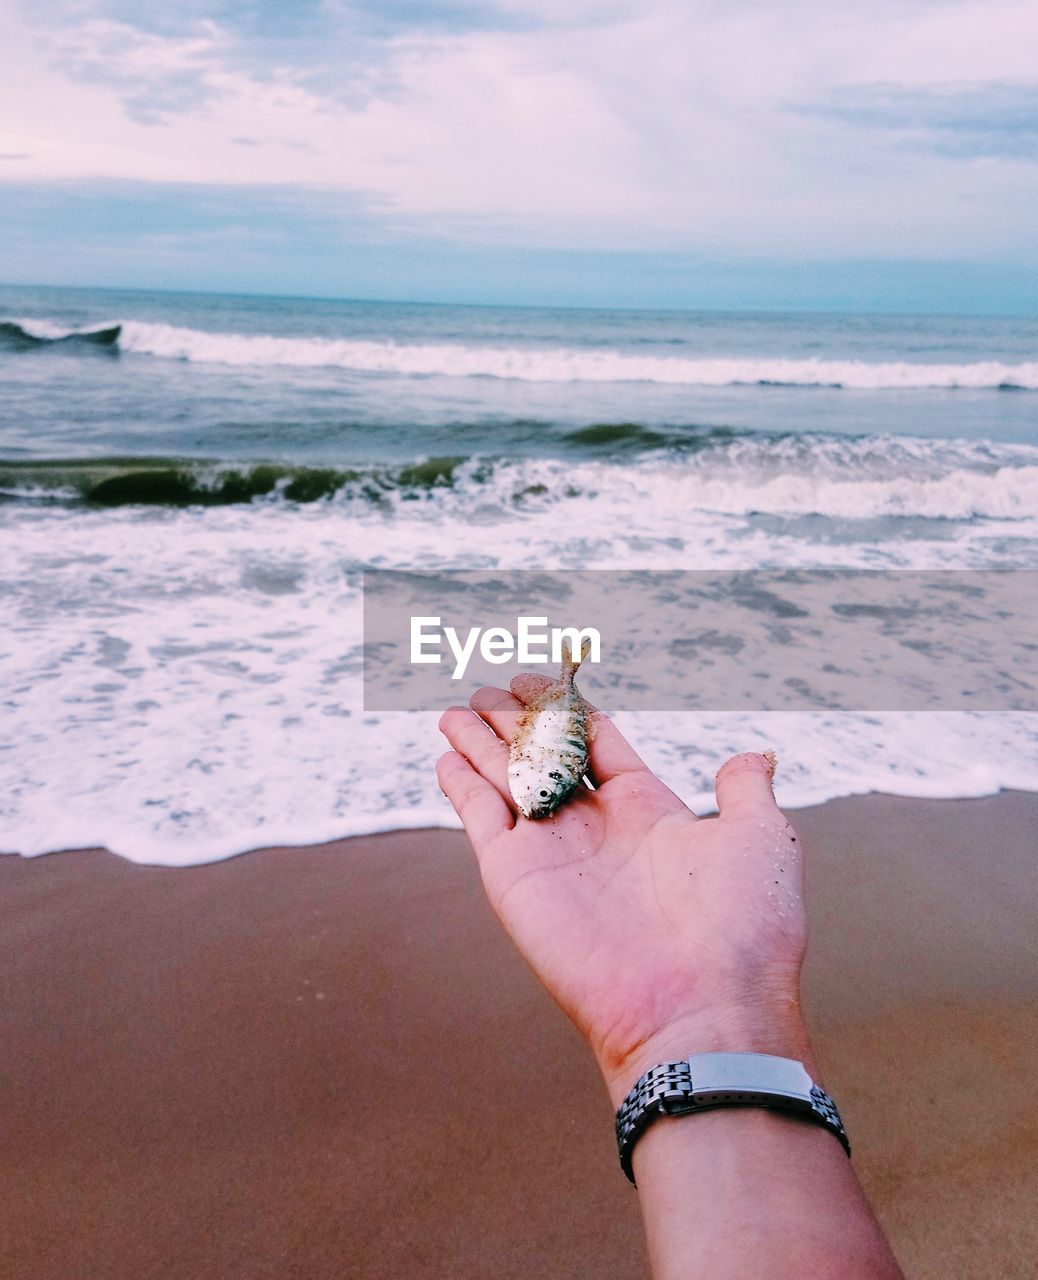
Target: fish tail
<point>571,661</point>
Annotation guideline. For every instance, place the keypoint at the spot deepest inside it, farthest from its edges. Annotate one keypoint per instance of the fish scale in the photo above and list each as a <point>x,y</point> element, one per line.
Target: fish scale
<point>548,755</point>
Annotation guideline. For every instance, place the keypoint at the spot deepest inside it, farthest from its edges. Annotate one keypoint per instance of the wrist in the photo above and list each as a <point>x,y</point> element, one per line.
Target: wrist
<point>775,1026</point>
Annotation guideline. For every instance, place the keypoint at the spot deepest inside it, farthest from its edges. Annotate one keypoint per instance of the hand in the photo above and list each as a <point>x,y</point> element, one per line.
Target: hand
<point>661,935</point>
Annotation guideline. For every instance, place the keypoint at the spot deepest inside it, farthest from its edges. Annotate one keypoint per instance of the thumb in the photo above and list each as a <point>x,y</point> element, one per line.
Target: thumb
<point>743,785</point>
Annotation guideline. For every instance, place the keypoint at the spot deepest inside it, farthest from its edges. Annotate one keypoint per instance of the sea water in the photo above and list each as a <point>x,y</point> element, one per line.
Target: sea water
<point>187,505</point>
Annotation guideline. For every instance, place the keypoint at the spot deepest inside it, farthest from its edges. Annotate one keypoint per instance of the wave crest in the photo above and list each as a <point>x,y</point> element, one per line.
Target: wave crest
<point>841,478</point>
<point>564,364</point>
<point>552,365</point>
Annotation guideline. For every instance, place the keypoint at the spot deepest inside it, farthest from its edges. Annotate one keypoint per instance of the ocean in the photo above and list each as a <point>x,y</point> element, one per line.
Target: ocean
<point>192,485</point>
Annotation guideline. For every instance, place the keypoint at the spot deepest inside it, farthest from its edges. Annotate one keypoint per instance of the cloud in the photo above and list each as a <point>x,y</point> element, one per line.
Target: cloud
<point>969,120</point>
<point>568,124</point>
<point>321,18</point>
<point>155,76</point>
<point>216,238</point>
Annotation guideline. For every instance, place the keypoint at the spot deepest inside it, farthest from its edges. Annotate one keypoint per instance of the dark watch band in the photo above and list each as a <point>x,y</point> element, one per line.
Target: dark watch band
<point>708,1080</point>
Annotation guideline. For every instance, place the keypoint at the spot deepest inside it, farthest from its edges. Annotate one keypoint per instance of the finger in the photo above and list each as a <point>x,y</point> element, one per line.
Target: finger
<point>477,802</point>
<point>499,709</point>
<point>609,752</point>
<point>526,687</point>
<point>478,743</point>
<point>744,786</point>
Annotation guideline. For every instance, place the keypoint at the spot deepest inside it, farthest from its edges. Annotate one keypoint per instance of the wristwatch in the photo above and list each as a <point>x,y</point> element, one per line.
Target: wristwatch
<point>708,1080</point>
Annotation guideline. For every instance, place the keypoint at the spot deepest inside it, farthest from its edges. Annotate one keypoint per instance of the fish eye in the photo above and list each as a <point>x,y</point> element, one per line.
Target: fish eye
<point>545,793</point>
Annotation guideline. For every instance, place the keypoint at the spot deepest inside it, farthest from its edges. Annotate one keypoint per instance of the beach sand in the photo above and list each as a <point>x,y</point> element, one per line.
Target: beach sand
<point>329,1062</point>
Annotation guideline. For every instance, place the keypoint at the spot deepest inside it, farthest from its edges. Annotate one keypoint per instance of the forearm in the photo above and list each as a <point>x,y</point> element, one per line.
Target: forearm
<point>664,937</point>
<point>737,1192</point>
<point>741,1192</point>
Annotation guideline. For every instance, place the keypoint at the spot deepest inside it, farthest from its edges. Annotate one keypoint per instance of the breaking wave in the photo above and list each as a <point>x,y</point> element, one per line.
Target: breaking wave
<point>736,474</point>
<point>557,364</point>
<point>166,482</point>
<point>19,337</point>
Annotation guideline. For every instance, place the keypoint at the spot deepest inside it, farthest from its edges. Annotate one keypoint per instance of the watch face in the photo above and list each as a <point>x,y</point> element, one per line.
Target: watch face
<point>723,1074</point>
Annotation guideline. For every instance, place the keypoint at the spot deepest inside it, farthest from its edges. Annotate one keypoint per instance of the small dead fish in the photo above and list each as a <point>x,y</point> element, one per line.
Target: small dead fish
<point>548,755</point>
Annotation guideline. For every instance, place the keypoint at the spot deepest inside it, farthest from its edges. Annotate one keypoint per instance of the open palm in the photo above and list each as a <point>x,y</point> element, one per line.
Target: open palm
<point>659,934</point>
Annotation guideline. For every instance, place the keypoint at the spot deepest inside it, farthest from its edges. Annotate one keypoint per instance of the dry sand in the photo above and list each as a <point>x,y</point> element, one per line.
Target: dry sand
<point>329,1062</point>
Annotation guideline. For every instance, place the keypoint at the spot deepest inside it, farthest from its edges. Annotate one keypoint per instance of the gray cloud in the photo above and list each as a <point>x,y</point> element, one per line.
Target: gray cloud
<point>335,48</point>
<point>153,78</point>
<point>286,240</point>
<point>301,19</point>
<point>998,119</point>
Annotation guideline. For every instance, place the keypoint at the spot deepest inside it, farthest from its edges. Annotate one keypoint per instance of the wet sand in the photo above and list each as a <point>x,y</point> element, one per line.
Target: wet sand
<point>329,1062</point>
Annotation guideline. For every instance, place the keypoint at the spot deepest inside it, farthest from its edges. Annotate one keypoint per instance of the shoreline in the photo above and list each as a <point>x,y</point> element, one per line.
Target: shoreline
<point>329,1061</point>
<point>423,822</point>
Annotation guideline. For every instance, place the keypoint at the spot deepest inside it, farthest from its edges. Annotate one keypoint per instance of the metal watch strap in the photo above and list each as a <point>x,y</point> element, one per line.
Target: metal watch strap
<point>708,1080</point>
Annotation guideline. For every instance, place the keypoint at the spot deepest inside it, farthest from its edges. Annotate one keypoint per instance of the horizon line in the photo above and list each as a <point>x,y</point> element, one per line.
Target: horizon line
<point>732,309</point>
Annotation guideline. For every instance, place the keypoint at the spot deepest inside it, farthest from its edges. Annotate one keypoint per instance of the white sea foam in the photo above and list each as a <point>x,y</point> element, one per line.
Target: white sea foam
<point>1010,492</point>
<point>42,328</point>
<point>459,360</point>
<point>848,479</point>
<point>182,685</point>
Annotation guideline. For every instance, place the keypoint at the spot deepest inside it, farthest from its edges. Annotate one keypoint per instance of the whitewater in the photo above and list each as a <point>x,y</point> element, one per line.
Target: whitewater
<point>456,360</point>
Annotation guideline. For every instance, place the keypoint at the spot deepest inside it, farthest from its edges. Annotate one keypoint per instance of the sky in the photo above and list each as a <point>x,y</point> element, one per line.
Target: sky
<point>869,155</point>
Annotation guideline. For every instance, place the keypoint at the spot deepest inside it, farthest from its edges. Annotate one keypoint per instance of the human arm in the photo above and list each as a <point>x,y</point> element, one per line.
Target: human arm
<point>662,936</point>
